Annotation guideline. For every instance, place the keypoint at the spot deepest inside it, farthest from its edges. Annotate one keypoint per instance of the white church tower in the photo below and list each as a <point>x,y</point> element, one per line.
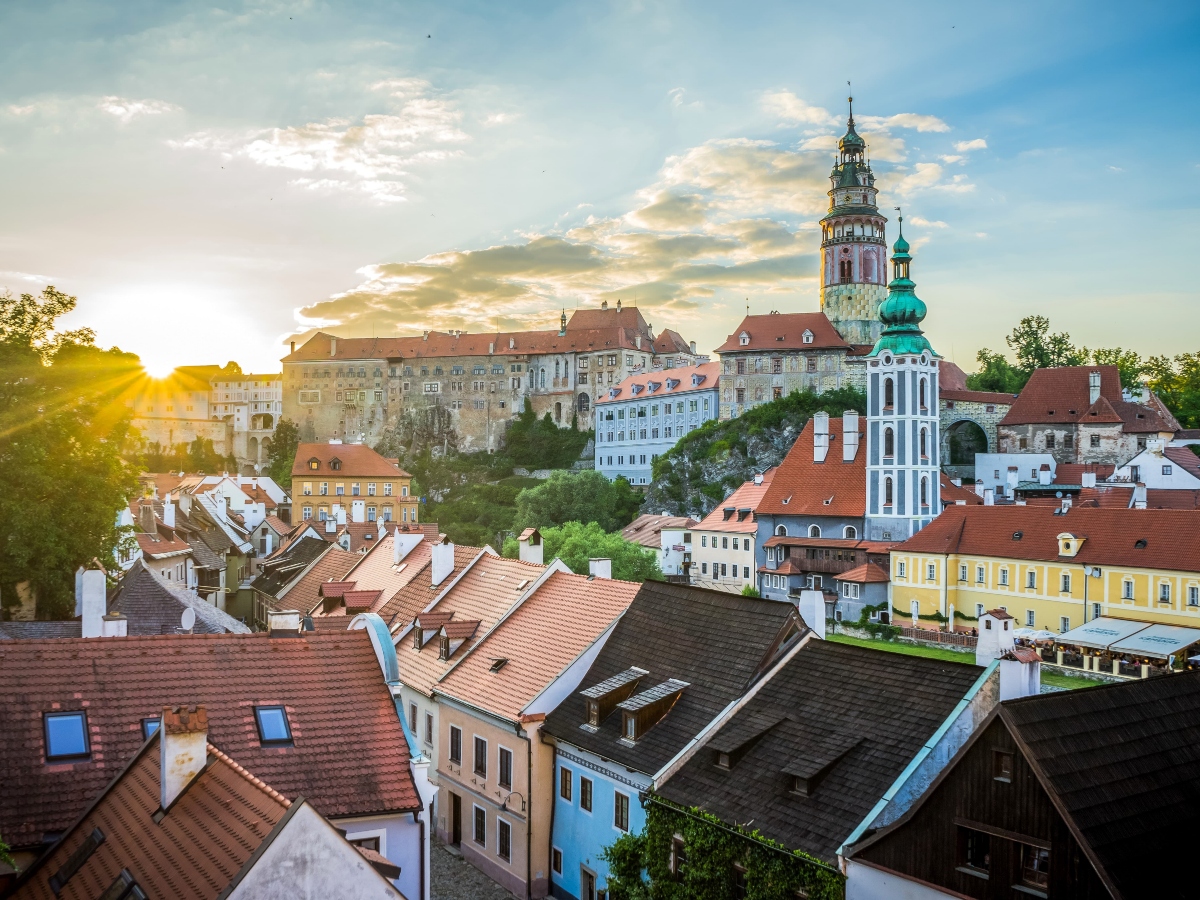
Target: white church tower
<point>902,413</point>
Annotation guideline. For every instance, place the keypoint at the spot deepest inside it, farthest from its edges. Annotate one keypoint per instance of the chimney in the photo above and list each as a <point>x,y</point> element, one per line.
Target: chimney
<point>145,518</point>
<point>618,304</point>
<point>283,622</point>
<point>1011,478</point>
<point>812,610</point>
<point>491,347</point>
<point>531,546</point>
<point>424,335</point>
<point>692,345</point>
<point>820,436</point>
<point>293,346</point>
<point>989,497</point>
<point>1020,674</point>
<point>442,561</point>
<point>978,487</point>
<point>183,740</point>
<point>604,304</point>
<point>169,512</point>
<point>1145,392</point>
<point>758,477</point>
<point>1093,387</point>
<point>600,567</point>
<point>333,346</point>
<point>1066,504</point>
<point>957,482</point>
<point>114,625</point>
<point>849,435</point>
<point>403,543</point>
<point>94,603</point>
<point>1044,474</point>
<point>1088,479</point>
<point>1139,496</point>
<point>637,342</point>
<point>512,342</point>
<point>330,525</point>
<point>341,513</point>
<point>995,636</point>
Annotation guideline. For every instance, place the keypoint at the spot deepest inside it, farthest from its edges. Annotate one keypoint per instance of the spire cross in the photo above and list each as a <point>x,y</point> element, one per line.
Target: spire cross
<point>900,219</point>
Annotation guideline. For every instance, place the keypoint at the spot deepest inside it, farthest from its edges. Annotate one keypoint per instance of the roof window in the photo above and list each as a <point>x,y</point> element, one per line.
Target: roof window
<point>728,512</point>
<point>810,770</point>
<point>150,726</point>
<point>273,725</point>
<point>66,736</point>
<point>314,464</point>
<point>1017,535</point>
<point>643,711</point>
<point>498,663</point>
<point>335,464</point>
<point>601,699</point>
<point>739,737</point>
<point>1140,544</point>
<point>807,336</point>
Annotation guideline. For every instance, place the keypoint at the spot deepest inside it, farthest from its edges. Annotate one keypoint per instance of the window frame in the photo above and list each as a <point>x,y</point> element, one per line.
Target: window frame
<point>478,828</point>
<point>479,761</point>
<point>287,724</point>
<point>148,729</point>
<point>620,804</point>
<point>566,784</point>
<point>81,715</point>
<point>455,751</point>
<point>501,779</point>
<point>503,826</point>
<point>587,792</point>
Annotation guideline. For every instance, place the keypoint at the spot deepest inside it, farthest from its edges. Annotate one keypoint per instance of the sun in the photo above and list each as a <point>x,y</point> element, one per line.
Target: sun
<point>158,369</point>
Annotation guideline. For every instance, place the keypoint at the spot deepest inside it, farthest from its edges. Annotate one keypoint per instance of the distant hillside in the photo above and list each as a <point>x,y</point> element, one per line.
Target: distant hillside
<point>705,466</point>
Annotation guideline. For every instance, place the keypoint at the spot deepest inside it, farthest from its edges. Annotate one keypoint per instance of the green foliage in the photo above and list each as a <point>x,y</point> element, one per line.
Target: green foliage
<point>585,496</point>
<point>1036,348</point>
<point>6,857</point>
<point>283,453</point>
<point>472,499</point>
<point>575,543</point>
<point>679,475</point>
<point>640,865</point>
<point>1131,366</point>
<point>199,456</point>
<point>540,444</point>
<point>67,449</point>
<point>750,590</point>
<point>997,374</point>
<point>1177,383</point>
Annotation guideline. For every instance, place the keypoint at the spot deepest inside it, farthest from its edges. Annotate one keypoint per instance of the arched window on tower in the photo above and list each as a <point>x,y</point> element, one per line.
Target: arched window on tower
<point>889,393</point>
<point>924,447</point>
<point>924,402</point>
<point>889,443</point>
<point>887,492</point>
<point>924,492</point>
<point>814,531</point>
<point>845,271</point>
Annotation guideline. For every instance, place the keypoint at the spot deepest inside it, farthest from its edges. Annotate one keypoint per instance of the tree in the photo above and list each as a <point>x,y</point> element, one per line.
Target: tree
<point>67,449</point>
<point>576,543</point>
<point>750,590</point>
<point>283,453</point>
<point>997,374</point>
<point>585,496</point>
<point>1177,384</point>
<point>540,444</point>
<point>1036,348</point>
<point>1131,366</point>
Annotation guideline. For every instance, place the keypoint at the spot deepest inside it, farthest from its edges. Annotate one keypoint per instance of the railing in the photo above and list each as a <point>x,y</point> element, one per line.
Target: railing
<point>953,638</point>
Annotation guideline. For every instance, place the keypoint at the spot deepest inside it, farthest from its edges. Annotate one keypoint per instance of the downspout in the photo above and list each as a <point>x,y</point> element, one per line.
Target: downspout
<point>553,804</point>
<point>528,817</point>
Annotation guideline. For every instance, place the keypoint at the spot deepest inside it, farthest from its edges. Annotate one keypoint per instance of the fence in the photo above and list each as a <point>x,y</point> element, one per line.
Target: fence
<point>953,638</point>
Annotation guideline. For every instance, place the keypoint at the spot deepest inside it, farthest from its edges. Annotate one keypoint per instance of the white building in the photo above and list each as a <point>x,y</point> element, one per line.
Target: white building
<point>670,537</point>
<point>723,542</point>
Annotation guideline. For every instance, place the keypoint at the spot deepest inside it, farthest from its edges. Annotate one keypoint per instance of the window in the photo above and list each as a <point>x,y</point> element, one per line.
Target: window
<point>150,725</point>
<point>974,852</point>
<point>1126,590</point>
<point>849,590</point>
<point>480,761</point>
<point>850,533</point>
<point>1194,596</point>
<point>900,567</point>
<point>480,827</point>
<point>273,727</point>
<point>1002,765</point>
<point>412,717</point>
<point>1095,440</point>
<point>620,811</point>
<point>889,442</point>
<point>556,861</point>
<point>66,736</point>
<point>1164,593</point>
<point>739,880</point>
<point>505,777</point>
<point>678,855</point>
<point>1031,579</point>
<point>931,572</point>
<point>455,744</point>
<point>1166,470</point>
<point>585,793</point>
<point>887,492</point>
<point>1030,618</point>
<point>1004,577</point>
<point>1064,624</point>
<point>962,573</point>
<point>1035,867</point>
<point>503,840</point>
<point>889,393</point>
<point>429,728</point>
<point>980,574</point>
<point>1066,583</point>
<point>564,783</point>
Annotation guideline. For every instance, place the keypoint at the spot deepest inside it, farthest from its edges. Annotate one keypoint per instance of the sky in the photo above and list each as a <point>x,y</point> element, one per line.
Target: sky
<point>214,181</point>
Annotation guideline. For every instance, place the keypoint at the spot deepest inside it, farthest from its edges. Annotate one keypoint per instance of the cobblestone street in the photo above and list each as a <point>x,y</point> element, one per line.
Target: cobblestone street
<point>453,878</point>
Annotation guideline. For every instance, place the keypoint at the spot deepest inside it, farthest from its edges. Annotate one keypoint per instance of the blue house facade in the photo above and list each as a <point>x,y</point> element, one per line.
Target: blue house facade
<point>647,413</point>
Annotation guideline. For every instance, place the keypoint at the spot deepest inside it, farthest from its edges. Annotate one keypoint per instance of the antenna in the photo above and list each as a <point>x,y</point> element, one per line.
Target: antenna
<point>188,620</point>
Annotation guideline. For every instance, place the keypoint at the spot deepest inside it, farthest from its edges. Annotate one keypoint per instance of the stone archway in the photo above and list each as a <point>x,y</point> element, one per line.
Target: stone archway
<point>964,439</point>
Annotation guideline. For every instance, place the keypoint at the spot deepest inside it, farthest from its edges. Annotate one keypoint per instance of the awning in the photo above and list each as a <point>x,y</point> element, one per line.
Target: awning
<point>1101,633</point>
<point>1159,640</point>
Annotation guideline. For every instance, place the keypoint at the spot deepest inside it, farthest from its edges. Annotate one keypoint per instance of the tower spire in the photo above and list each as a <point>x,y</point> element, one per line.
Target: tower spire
<point>850,100</point>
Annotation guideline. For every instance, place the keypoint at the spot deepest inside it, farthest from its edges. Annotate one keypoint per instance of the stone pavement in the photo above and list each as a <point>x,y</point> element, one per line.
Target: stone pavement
<point>453,878</point>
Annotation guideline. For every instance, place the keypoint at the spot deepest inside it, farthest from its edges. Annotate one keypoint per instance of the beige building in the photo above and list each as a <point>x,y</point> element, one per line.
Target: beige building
<point>350,482</point>
<point>723,542</point>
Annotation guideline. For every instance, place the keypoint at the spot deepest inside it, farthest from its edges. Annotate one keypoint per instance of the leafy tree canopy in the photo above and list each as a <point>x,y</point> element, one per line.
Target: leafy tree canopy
<point>283,453</point>
<point>1177,383</point>
<point>585,496</point>
<point>535,443</point>
<point>576,543</point>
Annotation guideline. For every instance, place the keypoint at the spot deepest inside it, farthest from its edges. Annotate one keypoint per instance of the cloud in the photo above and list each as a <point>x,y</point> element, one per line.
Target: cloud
<point>370,156</point>
<point>967,146</point>
<point>906,120</point>
<point>917,220</point>
<point>926,176</point>
<point>787,106</point>
<point>952,158</point>
<point>127,110</point>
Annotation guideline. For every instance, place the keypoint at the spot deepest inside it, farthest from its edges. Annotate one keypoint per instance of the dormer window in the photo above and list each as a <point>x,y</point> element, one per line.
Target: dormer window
<point>807,337</point>
<point>643,711</point>
<point>335,464</point>
<point>314,464</point>
<point>444,648</point>
<point>601,699</point>
<point>744,339</point>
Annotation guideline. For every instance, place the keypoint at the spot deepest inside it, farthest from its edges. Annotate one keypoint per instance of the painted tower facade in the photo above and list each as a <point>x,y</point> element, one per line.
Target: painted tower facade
<point>902,413</point>
<point>853,244</point>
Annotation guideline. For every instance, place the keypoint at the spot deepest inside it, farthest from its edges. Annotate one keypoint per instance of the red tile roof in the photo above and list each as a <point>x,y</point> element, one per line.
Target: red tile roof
<point>803,487</point>
<point>646,529</point>
<point>638,386</point>
<point>952,493</point>
<point>748,497</point>
<point>1062,395</point>
<point>951,377</point>
<point>668,342</point>
<point>358,461</point>
<point>1110,536</point>
<point>329,682</point>
<point>867,573</point>
<point>593,318</point>
<point>279,526</point>
<point>1072,473</point>
<point>784,331</point>
<point>1159,498</point>
<point>1184,458</point>
<point>965,396</point>
<point>305,594</point>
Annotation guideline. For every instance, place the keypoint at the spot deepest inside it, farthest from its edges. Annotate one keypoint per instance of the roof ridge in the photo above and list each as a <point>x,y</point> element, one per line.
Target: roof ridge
<point>253,779</point>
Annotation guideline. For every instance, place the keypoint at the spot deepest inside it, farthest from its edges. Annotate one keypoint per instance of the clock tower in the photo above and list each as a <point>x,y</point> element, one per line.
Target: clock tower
<point>853,245</point>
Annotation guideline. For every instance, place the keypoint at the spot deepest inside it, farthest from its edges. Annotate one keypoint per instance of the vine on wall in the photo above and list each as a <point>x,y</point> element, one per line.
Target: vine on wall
<point>640,865</point>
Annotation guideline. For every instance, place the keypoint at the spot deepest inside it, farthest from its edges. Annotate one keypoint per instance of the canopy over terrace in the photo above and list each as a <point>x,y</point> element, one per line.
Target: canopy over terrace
<point>1102,633</point>
<point>1160,641</point>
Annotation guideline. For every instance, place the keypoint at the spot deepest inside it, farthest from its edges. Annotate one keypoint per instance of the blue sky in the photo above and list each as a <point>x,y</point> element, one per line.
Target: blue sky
<point>210,181</point>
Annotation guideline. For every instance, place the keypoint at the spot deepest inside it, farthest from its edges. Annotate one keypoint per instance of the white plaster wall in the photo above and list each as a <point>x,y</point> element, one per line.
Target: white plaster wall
<point>401,845</point>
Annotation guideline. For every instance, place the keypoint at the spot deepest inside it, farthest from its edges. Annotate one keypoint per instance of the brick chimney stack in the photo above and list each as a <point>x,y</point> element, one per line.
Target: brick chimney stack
<point>183,740</point>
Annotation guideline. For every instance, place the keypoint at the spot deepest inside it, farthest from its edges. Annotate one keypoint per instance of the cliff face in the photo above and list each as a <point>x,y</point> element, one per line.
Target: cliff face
<point>708,464</point>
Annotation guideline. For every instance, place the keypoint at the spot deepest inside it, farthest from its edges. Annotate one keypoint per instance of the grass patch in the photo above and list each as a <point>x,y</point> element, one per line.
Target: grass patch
<point>908,649</point>
<point>1069,682</point>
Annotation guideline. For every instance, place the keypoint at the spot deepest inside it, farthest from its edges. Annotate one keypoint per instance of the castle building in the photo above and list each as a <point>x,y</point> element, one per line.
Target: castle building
<point>903,452</point>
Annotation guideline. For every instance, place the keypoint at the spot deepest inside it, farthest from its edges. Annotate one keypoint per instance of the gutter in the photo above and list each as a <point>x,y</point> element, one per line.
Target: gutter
<point>917,760</point>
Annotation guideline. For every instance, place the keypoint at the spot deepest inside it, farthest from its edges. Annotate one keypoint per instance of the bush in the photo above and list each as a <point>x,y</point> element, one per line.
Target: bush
<point>585,496</point>
<point>540,444</point>
<point>576,543</point>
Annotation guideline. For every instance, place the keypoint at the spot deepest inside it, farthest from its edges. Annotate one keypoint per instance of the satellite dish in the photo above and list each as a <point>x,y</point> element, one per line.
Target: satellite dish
<point>188,619</point>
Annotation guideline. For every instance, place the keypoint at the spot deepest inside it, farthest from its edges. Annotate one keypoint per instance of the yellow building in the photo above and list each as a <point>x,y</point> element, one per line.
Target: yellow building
<point>350,482</point>
<point>1048,569</point>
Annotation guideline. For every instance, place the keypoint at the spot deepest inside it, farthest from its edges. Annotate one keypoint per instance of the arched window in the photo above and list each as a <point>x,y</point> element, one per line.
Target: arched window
<point>814,530</point>
<point>781,530</point>
<point>558,374</point>
<point>850,533</point>
<point>924,404</point>
<point>889,393</point>
<point>924,491</point>
<point>924,449</point>
<point>889,442</point>
<point>585,402</point>
<point>542,379</point>
<point>845,271</point>
<point>887,492</point>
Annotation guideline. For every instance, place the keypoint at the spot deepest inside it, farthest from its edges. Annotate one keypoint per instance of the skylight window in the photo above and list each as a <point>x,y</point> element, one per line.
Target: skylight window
<point>66,736</point>
<point>149,726</point>
<point>273,727</point>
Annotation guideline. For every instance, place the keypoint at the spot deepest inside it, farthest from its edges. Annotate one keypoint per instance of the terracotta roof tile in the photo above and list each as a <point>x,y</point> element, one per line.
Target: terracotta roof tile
<point>358,461</point>
<point>539,639</point>
<point>951,377</point>
<point>121,681</point>
<point>668,341</point>
<point>646,528</point>
<point>784,331</point>
<point>304,594</point>
<point>803,487</point>
<point>952,493</point>
<point>867,573</point>
<point>639,386</point>
<point>418,591</point>
<point>748,497</point>
<point>1061,395</point>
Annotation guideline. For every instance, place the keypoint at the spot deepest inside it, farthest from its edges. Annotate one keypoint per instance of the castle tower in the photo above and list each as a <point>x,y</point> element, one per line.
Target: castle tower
<point>902,413</point>
<point>853,245</point>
